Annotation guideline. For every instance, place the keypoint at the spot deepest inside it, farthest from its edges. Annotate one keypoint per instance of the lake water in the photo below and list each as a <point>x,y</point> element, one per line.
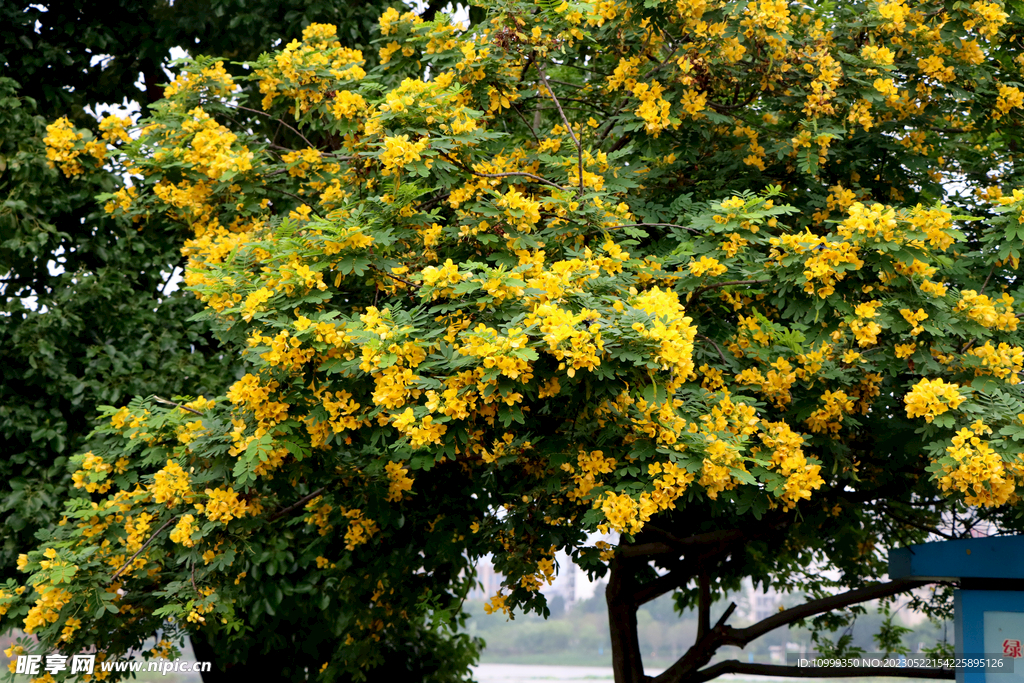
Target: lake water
<point>527,673</point>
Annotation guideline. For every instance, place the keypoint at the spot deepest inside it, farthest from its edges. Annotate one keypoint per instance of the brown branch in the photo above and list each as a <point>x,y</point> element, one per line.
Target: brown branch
<point>699,654</point>
<point>294,506</point>
<point>875,591</point>
<point>501,175</point>
<point>659,586</point>
<point>565,120</point>
<point>987,278</point>
<point>918,525</point>
<point>176,405</point>
<point>433,201</point>
<point>646,549</point>
<point>395,277</point>
<point>707,538</point>
<point>568,127</point>
<point>663,225</point>
<point>733,666</point>
<point>673,544</point>
<point>145,545</point>
<point>725,108</point>
<point>704,603</point>
<point>274,118</point>
<point>717,348</point>
<point>295,196</point>
<point>716,285</point>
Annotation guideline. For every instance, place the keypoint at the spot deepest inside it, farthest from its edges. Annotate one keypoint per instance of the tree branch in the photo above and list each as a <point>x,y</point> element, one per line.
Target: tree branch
<point>661,585</point>
<point>145,545</point>
<point>717,348</point>
<point>704,604</point>
<point>663,225</point>
<point>698,655</point>
<point>274,118</point>
<point>872,592</point>
<point>565,120</point>
<point>501,175</point>
<point>716,285</point>
<point>395,277</point>
<point>176,405</point>
<point>294,506</point>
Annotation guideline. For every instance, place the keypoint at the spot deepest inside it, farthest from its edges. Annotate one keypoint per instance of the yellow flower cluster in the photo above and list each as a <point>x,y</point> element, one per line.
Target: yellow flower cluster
<point>824,256</point>
<point>789,460</point>
<point>931,398</point>
<point>321,515</point>
<point>399,151</point>
<point>213,81</point>
<point>671,329</point>
<point>398,481</point>
<point>183,530</point>
<point>979,473</point>
<point>497,604</point>
<point>360,528</point>
<point>829,418</point>
<point>520,210</point>
<point>170,484</point>
<point>670,482</point>
<point>576,345</point>
<point>775,386</point>
<point>297,72</point>
<point>114,128</point>
<point>47,607</point>
<point>95,464</point>
<point>985,311</point>
<point>707,265</point>
<point>1005,362</point>
<point>61,147</point>
<point>212,152</point>
<point>914,318</point>
<point>223,505</point>
<point>624,513</point>
<point>653,109</point>
<point>586,475</point>
<point>497,351</point>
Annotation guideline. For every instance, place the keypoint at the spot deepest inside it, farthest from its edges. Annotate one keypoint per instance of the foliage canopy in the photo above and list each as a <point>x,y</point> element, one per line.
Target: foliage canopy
<point>734,279</point>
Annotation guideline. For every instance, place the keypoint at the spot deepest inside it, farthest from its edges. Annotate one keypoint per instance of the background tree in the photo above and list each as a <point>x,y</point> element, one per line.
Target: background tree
<point>87,318</point>
<point>730,279</point>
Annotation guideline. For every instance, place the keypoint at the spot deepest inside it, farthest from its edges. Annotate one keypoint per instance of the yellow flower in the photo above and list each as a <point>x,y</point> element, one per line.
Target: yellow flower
<point>931,398</point>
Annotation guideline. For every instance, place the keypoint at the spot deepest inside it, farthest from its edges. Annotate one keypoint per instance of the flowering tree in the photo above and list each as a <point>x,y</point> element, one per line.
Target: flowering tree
<point>736,280</point>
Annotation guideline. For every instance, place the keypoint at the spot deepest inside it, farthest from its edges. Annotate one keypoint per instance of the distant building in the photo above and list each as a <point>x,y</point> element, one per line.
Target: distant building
<point>489,580</point>
<point>571,582</point>
<point>760,603</point>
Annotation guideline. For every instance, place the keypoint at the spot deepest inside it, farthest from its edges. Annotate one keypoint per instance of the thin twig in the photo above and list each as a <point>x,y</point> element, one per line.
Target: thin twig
<point>565,120</point>
<point>717,348</point>
<point>176,405</point>
<point>987,278</point>
<point>148,543</point>
<point>274,118</point>
<point>295,196</point>
<point>502,175</point>
<point>297,504</point>
<point>717,285</point>
<point>568,127</point>
<point>433,201</point>
<point>661,225</point>
<point>395,277</point>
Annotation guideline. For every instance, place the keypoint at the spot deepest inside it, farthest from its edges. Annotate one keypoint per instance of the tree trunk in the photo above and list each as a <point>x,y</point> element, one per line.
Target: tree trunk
<point>256,667</point>
<point>626,661</point>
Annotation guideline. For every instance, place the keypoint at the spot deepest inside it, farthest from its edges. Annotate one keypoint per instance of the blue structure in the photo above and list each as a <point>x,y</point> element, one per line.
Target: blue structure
<point>989,606</point>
